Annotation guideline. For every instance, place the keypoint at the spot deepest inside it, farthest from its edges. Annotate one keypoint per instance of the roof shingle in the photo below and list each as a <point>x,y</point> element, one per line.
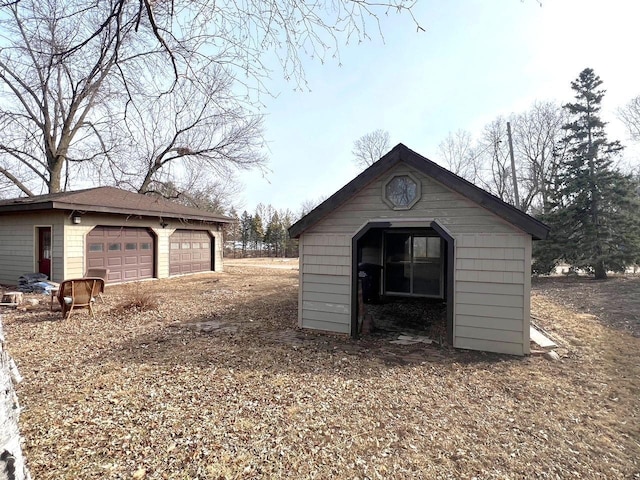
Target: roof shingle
<point>110,200</point>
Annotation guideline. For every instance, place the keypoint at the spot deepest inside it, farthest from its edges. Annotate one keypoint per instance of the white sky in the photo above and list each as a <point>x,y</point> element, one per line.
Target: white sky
<point>477,60</point>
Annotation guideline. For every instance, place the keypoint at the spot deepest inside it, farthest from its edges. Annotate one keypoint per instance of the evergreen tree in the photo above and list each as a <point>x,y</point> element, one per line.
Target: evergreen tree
<point>232,231</point>
<point>594,209</point>
<point>246,222</point>
<point>289,245</point>
<point>257,231</point>
<point>274,234</point>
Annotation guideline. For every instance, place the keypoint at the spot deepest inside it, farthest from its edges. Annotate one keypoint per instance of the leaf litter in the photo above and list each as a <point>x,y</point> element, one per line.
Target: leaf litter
<point>143,394</point>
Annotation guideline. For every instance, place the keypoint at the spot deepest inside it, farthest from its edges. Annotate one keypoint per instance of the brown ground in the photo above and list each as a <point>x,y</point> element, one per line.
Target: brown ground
<point>218,383</point>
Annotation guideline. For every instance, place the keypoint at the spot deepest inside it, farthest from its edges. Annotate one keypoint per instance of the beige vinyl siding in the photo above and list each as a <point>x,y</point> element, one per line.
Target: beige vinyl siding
<point>492,264</point>
<point>162,250</point>
<point>218,244</point>
<point>75,248</point>
<point>325,282</point>
<point>491,310</point>
<point>455,212</point>
<point>301,283</point>
<point>19,242</point>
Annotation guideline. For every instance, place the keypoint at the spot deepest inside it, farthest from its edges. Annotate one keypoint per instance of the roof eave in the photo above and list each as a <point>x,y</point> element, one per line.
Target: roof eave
<point>516,217</point>
<point>537,229</point>
<point>346,192</point>
<point>53,205</point>
<point>140,212</point>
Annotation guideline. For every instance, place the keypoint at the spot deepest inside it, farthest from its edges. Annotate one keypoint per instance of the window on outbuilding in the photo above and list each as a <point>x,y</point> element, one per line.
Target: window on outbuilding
<point>413,265</point>
<point>401,192</point>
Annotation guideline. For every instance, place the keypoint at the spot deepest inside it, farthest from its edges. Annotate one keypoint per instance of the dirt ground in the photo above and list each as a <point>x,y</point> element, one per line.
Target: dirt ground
<point>217,382</point>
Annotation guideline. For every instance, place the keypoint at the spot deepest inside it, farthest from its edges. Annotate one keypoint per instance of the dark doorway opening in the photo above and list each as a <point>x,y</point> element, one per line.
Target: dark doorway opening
<point>403,281</point>
<point>44,251</point>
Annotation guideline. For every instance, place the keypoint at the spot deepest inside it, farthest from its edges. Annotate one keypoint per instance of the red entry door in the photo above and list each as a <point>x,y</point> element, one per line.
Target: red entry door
<point>44,250</point>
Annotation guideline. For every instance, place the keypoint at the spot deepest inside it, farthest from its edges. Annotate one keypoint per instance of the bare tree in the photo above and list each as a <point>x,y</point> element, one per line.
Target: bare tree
<point>197,132</point>
<point>537,134</point>
<point>71,73</point>
<point>48,113</point>
<point>630,115</point>
<point>494,153</point>
<point>309,205</point>
<point>370,147</point>
<point>461,156</point>
<point>220,195</point>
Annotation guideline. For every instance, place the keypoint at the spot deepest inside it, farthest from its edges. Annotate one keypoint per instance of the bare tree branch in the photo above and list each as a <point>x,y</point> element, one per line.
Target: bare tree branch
<point>74,77</point>
<point>370,147</point>
<point>630,115</point>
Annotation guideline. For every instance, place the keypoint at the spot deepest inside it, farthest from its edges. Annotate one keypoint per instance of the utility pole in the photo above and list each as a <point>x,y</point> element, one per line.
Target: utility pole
<point>513,167</point>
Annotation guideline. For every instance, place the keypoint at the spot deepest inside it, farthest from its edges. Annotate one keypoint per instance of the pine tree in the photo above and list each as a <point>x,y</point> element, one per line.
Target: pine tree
<point>257,231</point>
<point>594,210</point>
<point>232,231</point>
<point>245,230</point>
<point>274,234</point>
<point>289,245</point>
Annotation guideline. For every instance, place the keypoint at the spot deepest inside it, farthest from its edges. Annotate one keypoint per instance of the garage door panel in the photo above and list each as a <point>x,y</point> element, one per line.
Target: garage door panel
<point>126,251</point>
<point>95,263</point>
<point>190,252</point>
<point>131,260</point>
<point>114,262</point>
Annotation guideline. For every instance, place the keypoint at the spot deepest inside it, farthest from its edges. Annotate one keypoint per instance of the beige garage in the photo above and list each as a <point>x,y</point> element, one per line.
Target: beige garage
<point>64,234</point>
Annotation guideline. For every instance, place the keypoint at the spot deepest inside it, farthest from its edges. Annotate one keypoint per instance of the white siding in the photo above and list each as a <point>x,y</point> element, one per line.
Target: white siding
<point>75,248</point>
<point>492,264</point>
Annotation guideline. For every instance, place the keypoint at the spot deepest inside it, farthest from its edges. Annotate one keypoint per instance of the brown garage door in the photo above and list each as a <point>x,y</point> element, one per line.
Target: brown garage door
<point>126,251</point>
<point>190,252</point>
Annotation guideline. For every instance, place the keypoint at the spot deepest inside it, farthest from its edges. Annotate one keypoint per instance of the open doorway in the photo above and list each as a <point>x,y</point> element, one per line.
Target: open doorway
<point>402,281</point>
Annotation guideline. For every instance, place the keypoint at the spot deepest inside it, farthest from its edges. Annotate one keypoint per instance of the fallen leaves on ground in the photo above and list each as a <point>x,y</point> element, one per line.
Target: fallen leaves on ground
<point>218,382</point>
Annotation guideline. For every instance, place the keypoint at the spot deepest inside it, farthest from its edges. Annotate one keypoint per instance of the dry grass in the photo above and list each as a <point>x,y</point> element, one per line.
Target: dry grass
<point>162,394</point>
<point>138,298</point>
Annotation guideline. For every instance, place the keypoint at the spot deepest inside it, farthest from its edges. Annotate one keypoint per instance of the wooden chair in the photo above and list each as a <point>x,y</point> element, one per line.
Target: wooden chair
<point>79,293</point>
<point>98,273</point>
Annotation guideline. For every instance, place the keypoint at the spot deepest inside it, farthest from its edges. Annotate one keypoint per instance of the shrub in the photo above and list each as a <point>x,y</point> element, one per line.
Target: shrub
<point>138,299</point>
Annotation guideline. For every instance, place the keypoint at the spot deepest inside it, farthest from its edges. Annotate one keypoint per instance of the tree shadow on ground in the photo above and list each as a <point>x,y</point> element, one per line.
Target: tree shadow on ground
<point>614,301</point>
<point>275,343</point>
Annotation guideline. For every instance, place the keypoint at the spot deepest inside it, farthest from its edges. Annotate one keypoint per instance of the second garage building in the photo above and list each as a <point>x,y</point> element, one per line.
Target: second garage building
<point>135,236</point>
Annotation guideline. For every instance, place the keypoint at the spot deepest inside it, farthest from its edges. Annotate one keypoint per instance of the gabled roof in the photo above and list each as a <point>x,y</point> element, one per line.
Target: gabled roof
<point>109,200</point>
<point>401,153</point>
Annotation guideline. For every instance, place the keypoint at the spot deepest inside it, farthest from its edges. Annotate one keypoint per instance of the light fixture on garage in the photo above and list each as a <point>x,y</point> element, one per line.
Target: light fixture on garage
<point>76,219</point>
<point>163,224</point>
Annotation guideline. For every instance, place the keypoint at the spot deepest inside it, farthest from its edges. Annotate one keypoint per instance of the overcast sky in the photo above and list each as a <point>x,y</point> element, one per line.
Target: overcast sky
<point>477,60</point>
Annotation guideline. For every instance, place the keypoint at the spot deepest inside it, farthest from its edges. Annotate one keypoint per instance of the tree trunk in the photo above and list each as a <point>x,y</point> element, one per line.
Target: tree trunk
<point>55,176</point>
<point>600,270</point>
<point>12,462</point>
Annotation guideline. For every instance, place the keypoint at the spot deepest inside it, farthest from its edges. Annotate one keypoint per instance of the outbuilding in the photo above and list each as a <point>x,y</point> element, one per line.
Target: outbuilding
<point>419,233</point>
<point>135,236</point>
